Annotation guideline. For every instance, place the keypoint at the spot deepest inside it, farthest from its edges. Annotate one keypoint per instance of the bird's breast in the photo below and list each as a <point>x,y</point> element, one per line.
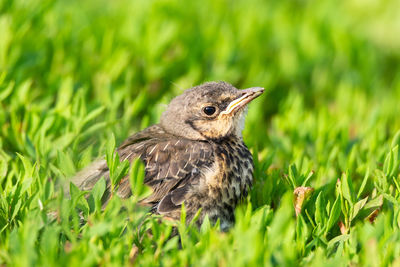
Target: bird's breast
<point>231,175</point>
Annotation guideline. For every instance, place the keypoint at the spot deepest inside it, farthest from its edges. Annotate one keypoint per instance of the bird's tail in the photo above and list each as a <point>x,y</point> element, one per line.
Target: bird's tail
<point>88,177</point>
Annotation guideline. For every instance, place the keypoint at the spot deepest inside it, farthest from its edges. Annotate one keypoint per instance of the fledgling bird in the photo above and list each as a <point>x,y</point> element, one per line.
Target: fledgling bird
<point>195,155</point>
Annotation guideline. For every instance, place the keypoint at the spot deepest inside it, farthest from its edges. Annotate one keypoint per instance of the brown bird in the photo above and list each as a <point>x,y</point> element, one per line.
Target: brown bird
<point>195,155</point>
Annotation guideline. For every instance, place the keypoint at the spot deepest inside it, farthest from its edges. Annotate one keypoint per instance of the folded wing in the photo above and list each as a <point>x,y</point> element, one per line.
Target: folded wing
<point>172,167</point>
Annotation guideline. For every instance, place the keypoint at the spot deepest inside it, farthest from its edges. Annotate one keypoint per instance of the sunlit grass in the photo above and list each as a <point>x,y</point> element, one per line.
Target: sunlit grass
<point>77,77</point>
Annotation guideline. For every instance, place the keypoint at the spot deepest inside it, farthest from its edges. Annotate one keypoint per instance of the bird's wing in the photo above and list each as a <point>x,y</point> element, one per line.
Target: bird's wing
<point>172,166</point>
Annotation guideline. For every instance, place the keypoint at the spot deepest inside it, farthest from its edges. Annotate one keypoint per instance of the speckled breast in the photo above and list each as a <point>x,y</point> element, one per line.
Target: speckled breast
<point>230,180</point>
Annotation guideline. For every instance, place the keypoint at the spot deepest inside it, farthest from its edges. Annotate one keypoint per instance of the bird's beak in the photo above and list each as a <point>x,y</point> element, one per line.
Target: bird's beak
<point>247,96</point>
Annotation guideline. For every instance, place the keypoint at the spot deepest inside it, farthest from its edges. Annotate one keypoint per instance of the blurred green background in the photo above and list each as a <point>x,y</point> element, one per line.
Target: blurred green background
<point>160,47</point>
<point>72,73</point>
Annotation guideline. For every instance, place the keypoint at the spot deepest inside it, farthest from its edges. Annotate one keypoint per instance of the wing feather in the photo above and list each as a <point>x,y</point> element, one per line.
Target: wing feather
<point>172,166</point>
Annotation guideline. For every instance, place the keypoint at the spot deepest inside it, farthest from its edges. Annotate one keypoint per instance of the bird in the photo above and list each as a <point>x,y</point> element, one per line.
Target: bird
<point>195,156</point>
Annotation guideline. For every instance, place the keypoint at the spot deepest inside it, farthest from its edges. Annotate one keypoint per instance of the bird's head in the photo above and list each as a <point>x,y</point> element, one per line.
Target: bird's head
<point>209,111</point>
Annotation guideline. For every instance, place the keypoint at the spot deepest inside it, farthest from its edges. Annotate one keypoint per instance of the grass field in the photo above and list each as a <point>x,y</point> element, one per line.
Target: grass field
<point>77,76</point>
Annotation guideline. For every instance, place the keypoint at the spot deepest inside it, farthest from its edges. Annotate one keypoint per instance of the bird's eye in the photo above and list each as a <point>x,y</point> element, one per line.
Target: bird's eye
<point>209,110</point>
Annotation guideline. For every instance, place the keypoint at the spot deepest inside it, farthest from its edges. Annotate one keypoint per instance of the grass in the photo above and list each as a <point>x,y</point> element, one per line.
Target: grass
<point>77,77</point>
